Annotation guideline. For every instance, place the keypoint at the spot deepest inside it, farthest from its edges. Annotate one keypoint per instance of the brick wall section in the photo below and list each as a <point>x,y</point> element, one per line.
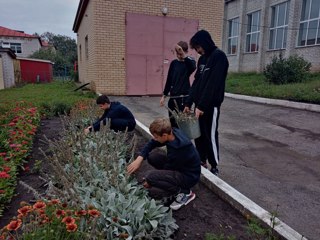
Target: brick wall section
<point>255,62</point>
<point>105,27</point>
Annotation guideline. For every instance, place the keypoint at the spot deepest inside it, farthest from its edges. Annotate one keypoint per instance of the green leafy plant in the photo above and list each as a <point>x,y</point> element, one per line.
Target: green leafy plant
<point>91,170</point>
<point>291,70</point>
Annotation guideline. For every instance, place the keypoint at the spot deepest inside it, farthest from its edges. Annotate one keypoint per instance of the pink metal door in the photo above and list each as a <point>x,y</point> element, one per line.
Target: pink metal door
<point>144,51</point>
<point>149,50</point>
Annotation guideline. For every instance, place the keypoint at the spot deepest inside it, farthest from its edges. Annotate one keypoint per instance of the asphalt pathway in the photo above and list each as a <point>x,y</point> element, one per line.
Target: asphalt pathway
<point>271,154</point>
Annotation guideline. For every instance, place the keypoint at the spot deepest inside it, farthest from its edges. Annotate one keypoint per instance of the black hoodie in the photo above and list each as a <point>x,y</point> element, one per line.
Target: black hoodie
<point>207,89</point>
<point>119,116</point>
<point>182,156</point>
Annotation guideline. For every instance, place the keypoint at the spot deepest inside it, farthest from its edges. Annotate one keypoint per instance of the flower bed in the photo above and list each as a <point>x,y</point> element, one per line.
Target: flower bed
<point>91,171</point>
<point>18,126</point>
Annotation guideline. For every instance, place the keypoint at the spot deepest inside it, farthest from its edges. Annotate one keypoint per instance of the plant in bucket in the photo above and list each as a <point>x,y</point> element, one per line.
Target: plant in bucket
<point>187,122</point>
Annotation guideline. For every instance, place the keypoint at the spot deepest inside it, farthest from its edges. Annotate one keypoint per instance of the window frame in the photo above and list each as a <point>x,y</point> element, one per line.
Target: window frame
<point>304,24</point>
<point>275,12</point>
<point>231,25</point>
<point>251,33</point>
<point>15,47</point>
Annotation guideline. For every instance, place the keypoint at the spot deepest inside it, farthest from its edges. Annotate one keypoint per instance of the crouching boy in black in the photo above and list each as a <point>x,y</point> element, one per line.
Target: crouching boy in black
<point>119,116</point>
<point>177,173</point>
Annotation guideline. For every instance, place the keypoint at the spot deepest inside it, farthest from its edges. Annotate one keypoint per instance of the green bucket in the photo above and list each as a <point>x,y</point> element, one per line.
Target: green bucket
<point>190,127</point>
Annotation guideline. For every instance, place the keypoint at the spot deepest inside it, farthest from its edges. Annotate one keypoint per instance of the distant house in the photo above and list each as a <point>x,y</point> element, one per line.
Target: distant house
<point>125,47</point>
<point>255,31</point>
<point>22,44</point>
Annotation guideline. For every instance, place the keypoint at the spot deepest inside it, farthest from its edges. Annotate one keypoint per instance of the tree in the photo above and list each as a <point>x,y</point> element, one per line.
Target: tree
<point>64,56</point>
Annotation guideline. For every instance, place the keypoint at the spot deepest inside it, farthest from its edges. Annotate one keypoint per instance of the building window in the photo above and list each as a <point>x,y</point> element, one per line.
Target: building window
<point>279,26</point>
<point>86,47</point>
<point>233,36</point>
<point>15,47</point>
<point>309,30</point>
<point>253,32</point>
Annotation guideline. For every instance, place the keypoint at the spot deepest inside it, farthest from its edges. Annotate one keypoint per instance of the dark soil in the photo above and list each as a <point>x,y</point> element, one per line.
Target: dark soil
<point>206,214</point>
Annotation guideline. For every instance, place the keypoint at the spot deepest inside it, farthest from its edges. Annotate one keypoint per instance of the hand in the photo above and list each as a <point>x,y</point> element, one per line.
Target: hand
<point>180,53</point>
<point>87,130</point>
<point>186,110</point>
<point>199,113</point>
<point>162,101</point>
<point>135,165</point>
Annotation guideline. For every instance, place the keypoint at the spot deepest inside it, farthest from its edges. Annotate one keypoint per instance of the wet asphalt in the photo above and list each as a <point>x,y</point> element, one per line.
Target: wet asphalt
<point>271,154</point>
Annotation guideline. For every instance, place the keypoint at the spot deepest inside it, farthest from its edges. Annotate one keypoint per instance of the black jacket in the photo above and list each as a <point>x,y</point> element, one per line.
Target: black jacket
<point>178,82</point>
<point>182,156</point>
<point>207,90</point>
<point>119,116</point>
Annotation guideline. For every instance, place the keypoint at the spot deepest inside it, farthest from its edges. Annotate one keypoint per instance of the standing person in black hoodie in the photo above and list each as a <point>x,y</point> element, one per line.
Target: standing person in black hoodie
<point>207,93</point>
<point>178,83</point>
<point>117,115</point>
<point>175,174</point>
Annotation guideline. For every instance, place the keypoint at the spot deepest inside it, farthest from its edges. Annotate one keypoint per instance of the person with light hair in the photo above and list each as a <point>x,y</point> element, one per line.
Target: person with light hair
<point>177,172</point>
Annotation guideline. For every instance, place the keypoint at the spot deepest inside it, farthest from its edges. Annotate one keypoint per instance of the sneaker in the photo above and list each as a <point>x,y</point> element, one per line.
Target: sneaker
<point>182,199</point>
<point>215,171</point>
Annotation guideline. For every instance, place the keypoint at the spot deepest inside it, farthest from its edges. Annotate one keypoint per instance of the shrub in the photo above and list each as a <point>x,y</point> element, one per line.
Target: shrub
<point>56,108</point>
<point>291,70</point>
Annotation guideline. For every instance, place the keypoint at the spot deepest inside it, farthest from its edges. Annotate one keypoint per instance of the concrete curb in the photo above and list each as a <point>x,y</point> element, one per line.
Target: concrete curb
<point>283,103</point>
<point>240,202</point>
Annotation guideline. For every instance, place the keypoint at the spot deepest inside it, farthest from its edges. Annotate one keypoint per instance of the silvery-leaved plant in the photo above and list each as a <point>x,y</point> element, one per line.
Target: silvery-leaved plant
<point>91,170</point>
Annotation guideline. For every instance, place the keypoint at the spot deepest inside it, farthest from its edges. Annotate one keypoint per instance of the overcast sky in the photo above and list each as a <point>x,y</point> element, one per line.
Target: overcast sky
<point>30,16</point>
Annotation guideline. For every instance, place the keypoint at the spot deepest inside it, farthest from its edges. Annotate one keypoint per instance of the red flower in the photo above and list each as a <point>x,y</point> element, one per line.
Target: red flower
<point>39,205</point>
<point>71,227</point>
<point>2,154</point>
<point>25,210</point>
<point>2,191</point>
<point>68,220</point>
<point>94,213</point>
<point>4,175</point>
<point>55,201</point>
<point>26,168</point>
<point>14,225</point>
<point>60,213</point>
<point>81,213</point>
<point>6,169</point>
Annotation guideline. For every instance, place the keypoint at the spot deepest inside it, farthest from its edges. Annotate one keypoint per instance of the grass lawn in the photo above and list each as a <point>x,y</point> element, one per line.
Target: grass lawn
<point>253,84</point>
<point>49,97</point>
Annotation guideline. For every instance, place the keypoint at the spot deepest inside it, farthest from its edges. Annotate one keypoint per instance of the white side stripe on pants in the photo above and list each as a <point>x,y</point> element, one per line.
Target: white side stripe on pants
<point>213,134</point>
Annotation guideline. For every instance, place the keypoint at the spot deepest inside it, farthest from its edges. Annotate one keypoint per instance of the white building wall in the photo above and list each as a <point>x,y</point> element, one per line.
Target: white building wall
<point>255,62</point>
<point>28,45</point>
<point>8,70</point>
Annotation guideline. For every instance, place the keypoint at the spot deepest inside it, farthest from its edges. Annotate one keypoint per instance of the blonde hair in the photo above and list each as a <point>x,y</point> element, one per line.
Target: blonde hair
<point>160,126</point>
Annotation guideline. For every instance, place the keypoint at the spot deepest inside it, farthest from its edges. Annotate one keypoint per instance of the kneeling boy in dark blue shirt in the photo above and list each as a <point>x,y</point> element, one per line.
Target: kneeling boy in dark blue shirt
<point>119,116</point>
<point>174,175</point>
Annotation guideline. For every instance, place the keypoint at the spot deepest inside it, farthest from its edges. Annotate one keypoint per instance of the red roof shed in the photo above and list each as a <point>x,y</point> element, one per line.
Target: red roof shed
<point>35,70</point>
